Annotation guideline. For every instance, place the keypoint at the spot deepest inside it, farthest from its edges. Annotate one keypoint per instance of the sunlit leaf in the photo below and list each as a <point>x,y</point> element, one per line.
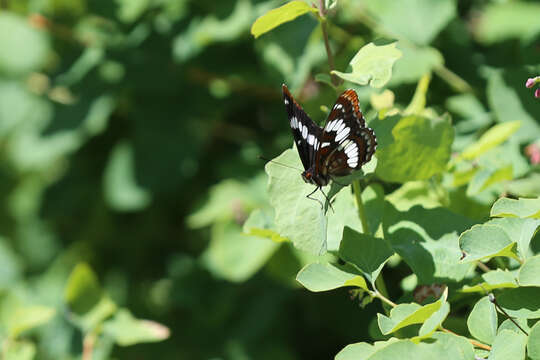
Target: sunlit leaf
<point>28,317</point>
<point>322,277</point>
<point>522,208</point>
<point>482,321</point>
<point>280,15</point>
<point>491,138</point>
<point>508,345</point>
<point>528,273</point>
<point>483,242</point>
<point>127,330</point>
<point>372,64</point>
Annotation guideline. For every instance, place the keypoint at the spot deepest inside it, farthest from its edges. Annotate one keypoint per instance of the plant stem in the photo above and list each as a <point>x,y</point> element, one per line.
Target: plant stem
<point>88,346</point>
<point>357,189</point>
<point>383,298</point>
<point>323,21</point>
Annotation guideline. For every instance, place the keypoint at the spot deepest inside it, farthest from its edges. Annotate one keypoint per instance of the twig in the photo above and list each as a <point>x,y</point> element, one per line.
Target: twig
<point>491,298</point>
<point>331,64</point>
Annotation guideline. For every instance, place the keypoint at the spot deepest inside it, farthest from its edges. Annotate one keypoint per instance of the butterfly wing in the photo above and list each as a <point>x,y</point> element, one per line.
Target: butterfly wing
<point>346,142</point>
<point>305,132</point>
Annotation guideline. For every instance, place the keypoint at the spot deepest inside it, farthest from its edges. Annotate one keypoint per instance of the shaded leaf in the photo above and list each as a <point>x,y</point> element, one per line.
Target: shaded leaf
<point>522,208</point>
<point>522,302</point>
<point>495,279</point>
<point>533,344</point>
<point>420,149</point>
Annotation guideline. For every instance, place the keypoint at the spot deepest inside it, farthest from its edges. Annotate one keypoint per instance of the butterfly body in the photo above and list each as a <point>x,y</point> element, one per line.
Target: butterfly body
<point>342,146</point>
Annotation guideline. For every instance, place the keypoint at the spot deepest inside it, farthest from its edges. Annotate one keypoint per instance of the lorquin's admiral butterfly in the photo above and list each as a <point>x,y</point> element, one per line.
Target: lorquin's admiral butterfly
<point>343,145</point>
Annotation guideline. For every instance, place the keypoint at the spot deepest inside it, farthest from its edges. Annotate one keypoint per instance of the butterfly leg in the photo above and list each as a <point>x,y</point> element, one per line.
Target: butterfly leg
<point>312,198</point>
<point>327,200</point>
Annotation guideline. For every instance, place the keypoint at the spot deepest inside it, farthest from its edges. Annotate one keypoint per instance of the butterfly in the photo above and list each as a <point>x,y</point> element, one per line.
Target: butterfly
<point>342,146</point>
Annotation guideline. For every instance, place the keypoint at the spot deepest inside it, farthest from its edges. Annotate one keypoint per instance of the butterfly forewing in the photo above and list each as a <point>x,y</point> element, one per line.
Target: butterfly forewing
<point>305,132</point>
<point>346,142</point>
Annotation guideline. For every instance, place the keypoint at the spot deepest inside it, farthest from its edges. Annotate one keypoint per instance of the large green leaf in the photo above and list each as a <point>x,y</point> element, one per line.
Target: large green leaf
<point>280,15</point>
<point>520,231</point>
<point>82,291</point>
<point>344,214</point>
<point>427,240</point>
<point>529,272</point>
<point>533,344</point>
<point>511,101</point>
<point>508,345</point>
<point>323,277</point>
<point>522,208</point>
<point>235,256</point>
<point>522,302</point>
<point>482,242</point>
<point>494,279</point>
<point>18,350</point>
<point>372,64</point>
<point>420,149</point>
<point>367,253</point>
<point>429,17</point>
<point>127,330</point>
<point>415,62</point>
<point>482,321</point>
<point>409,314</point>
<point>441,346</point>
<point>24,48</point>
<point>28,317</point>
<point>491,138</point>
<point>298,218</point>
<point>506,20</point>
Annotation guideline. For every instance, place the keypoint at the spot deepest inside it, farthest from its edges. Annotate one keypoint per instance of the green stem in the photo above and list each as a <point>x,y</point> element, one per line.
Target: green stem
<point>324,25</point>
<point>357,189</point>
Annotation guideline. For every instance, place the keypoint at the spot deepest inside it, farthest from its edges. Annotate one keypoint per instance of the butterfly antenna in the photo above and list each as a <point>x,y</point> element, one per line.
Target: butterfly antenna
<point>278,163</point>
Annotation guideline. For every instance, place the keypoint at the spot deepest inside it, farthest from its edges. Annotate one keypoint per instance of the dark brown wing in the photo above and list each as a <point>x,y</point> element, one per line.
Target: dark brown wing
<point>346,142</point>
<point>305,132</point>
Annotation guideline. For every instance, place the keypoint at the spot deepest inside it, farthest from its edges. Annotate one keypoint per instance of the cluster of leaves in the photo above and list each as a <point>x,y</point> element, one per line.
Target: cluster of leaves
<point>424,201</point>
<point>118,118</point>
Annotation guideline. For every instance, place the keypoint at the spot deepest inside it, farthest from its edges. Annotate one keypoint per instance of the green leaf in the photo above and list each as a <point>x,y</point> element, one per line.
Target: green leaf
<point>420,149</point>
<point>18,350</point>
<point>280,15</point>
<point>491,138</point>
<point>127,330</point>
<point>441,346</point>
<point>522,208</point>
<point>508,345</point>
<point>427,240</point>
<point>298,218</point>
<point>82,291</point>
<point>416,62</point>
<point>120,186</point>
<point>485,177</point>
<point>528,273</point>
<point>235,256</point>
<point>372,64</point>
<point>24,48</point>
<point>345,214</point>
<point>323,277</point>
<point>414,193</point>
<point>495,279</point>
<point>429,17</point>
<point>507,20</point>
<point>533,344</point>
<point>522,302</point>
<point>260,223</point>
<point>482,321</point>
<point>28,317</point>
<point>433,322</point>
<point>520,231</point>
<point>483,242</point>
<point>511,101</point>
<point>408,314</point>
<point>367,253</point>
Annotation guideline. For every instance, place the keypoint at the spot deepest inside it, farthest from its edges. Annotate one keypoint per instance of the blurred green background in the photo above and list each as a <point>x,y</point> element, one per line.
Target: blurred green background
<point>130,132</point>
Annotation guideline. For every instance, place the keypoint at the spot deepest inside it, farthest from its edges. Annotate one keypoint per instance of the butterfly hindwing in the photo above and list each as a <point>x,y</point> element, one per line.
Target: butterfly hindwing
<point>305,132</point>
<point>346,142</point>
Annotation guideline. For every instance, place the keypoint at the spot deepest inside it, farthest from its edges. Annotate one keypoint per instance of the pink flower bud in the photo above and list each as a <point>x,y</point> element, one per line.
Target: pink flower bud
<point>537,93</point>
<point>530,82</point>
